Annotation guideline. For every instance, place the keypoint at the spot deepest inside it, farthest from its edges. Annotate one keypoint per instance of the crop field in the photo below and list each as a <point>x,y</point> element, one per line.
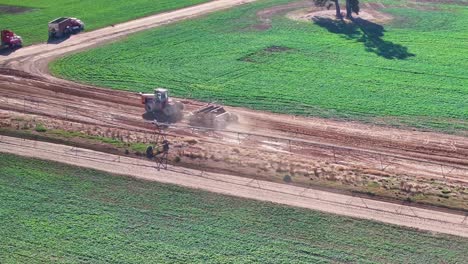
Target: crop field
<point>57,213</point>
<point>29,18</point>
<point>410,70</point>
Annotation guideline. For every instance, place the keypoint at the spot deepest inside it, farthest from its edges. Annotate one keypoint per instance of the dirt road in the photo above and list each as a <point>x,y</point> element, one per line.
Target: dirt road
<point>33,59</point>
<point>116,108</point>
<point>421,154</point>
<point>423,219</point>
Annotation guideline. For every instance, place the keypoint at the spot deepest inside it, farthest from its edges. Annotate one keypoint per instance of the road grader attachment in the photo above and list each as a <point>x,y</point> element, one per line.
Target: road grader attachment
<point>212,116</point>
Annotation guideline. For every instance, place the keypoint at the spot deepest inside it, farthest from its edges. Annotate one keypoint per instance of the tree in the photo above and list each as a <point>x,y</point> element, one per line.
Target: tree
<point>329,3</point>
<point>352,6</point>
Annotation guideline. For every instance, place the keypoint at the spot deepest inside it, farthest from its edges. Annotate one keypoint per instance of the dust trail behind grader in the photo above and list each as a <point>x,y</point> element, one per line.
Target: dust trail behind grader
<point>421,153</point>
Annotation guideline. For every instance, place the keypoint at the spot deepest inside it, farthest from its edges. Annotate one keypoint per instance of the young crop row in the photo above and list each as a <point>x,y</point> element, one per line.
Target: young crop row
<point>53,212</point>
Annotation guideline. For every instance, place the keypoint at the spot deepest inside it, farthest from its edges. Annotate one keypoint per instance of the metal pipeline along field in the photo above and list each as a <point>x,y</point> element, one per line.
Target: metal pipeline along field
<point>408,216</point>
<point>312,152</point>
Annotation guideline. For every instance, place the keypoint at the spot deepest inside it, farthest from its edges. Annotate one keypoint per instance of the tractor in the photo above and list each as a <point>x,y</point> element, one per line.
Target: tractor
<point>161,108</point>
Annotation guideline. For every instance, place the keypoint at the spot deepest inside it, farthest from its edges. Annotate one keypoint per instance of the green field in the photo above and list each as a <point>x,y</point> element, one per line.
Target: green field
<point>29,18</point>
<point>410,71</point>
<point>57,213</point>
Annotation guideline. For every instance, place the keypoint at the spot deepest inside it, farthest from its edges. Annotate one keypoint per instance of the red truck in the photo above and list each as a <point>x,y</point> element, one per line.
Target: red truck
<point>10,39</point>
<point>64,26</point>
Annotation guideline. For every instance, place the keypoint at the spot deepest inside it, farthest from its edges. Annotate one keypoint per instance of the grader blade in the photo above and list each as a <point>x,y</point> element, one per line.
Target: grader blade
<point>212,116</point>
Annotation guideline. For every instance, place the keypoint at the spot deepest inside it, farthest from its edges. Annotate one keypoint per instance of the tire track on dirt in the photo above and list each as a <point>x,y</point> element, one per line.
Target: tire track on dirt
<point>25,73</point>
<point>357,207</point>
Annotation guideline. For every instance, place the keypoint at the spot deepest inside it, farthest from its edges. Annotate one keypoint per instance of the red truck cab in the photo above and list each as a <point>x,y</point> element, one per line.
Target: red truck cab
<point>10,39</point>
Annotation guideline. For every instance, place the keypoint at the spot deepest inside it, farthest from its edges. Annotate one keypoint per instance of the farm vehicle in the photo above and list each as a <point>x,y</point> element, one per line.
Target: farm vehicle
<point>10,39</point>
<point>160,108</point>
<point>64,26</point>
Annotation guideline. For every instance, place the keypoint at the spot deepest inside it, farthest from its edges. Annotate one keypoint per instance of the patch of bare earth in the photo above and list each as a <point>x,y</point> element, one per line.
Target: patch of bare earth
<point>307,11</point>
<point>265,15</point>
<point>7,9</point>
<point>259,158</point>
<point>368,12</point>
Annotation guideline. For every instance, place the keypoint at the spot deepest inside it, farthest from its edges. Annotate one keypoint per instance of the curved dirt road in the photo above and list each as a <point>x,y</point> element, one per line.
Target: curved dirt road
<point>423,219</point>
<point>440,149</point>
<point>27,87</point>
<point>421,154</point>
<point>34,58</point>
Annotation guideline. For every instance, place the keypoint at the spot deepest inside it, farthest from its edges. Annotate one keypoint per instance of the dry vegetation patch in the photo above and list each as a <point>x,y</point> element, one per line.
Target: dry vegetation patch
<point>266,160</point>
<point>368,13</point>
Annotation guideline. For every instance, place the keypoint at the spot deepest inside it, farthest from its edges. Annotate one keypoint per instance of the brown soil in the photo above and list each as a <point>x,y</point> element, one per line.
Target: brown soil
<point>307,11</point>
<point>313,152</point>
<point>265,15</point>
<point>254,56</point>
<point>309,14</point>
<point>428,219</point>
<point>6,9</point>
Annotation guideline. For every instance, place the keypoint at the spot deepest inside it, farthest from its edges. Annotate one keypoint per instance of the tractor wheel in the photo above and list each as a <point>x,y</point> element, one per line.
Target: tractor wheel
<point>147,108</point>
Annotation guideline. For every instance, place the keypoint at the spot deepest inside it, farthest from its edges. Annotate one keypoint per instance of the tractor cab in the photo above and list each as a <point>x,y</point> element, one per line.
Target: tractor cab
<point>161,98</point>
<point>160,95</point>
<point>159,107</point>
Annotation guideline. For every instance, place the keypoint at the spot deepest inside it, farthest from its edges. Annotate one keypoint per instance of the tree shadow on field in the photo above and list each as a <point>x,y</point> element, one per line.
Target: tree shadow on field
<point>367,32</point>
